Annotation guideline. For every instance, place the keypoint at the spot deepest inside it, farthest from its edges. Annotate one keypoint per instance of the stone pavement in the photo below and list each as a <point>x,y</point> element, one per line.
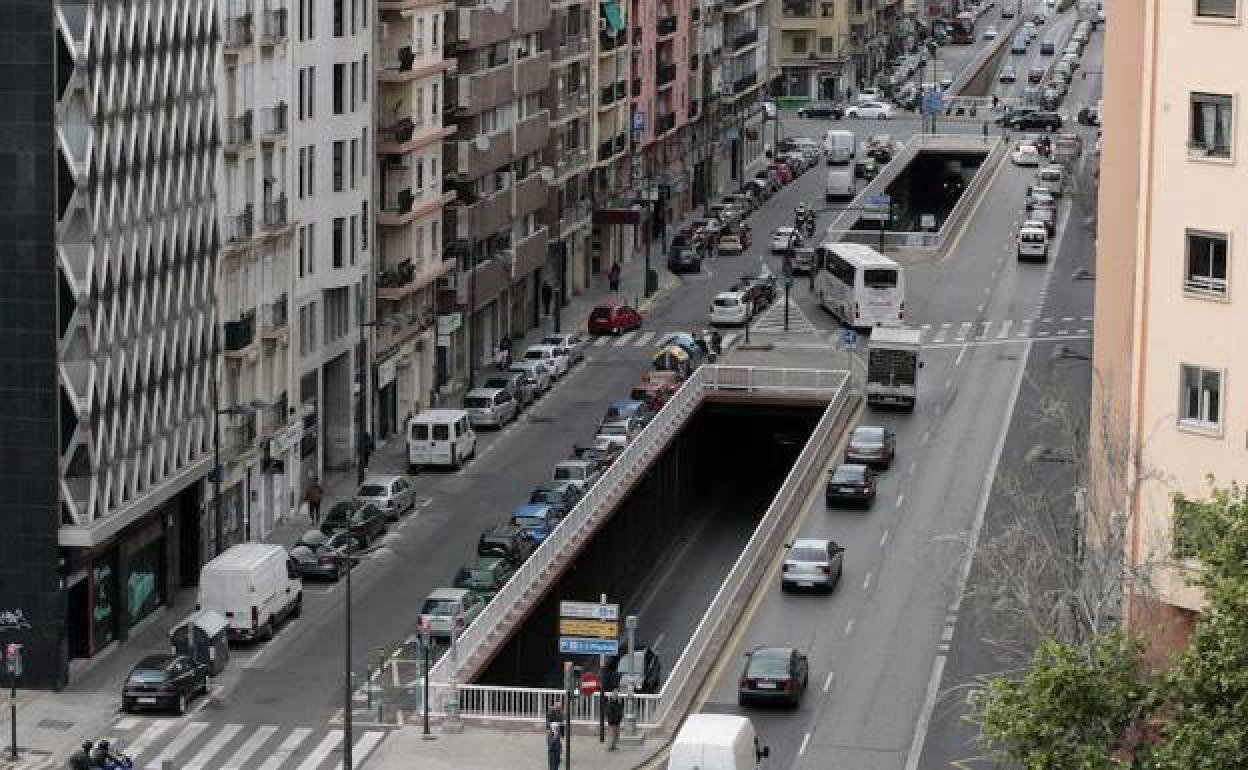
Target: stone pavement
<point>492,748</point>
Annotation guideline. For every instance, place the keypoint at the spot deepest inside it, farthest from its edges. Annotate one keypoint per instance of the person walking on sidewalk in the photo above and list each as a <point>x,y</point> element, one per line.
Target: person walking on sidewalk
<point>554,748</point>
<point>313,498</point>
<point>615,715</point>
<point>548,294</point>
<point>613,277</point>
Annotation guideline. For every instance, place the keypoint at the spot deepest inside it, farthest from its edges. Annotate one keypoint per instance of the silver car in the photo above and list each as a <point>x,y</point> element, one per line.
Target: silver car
<point>812,563</point>
<point>391,494</point>
<point>573,344</point>
<point>490,407</point>
<point>536,373</point>
<point>515,383</point>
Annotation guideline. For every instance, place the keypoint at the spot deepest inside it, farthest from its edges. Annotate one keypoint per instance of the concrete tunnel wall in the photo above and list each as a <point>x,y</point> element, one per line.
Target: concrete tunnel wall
<point>728,464</point>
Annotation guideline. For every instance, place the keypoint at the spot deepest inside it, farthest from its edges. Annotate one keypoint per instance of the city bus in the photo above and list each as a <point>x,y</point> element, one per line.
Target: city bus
<point>963,32</point>
<point>859,285</point>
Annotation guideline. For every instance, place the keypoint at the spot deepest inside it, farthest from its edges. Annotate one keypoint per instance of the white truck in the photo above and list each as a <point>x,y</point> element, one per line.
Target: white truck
<point>893,366</point>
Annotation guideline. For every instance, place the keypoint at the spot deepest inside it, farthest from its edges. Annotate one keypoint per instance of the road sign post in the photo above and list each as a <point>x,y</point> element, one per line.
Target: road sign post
<point>13,665</point>
<point>426,633</point>
<point>630,710</point>
<point>602,602</point>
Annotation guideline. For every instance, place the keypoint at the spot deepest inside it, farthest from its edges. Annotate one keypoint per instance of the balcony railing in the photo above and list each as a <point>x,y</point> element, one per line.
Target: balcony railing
<point>400,203</point>
<point>241,333</point>
<point>275,120</point>
<point>574,214</point>
<point>240,227</point>
<point>666,26</point>
<point>405,58</point>
<point>238,131</point>
<point>621,141</point>
<point>400,131</point>
<point>569,105</point>
<point>745,83</point>
<point>275,213</point>
<point>239,31</point>
<point>272,26</point>
<point>665,74</point>
<point>571,47</point>
<point>613,92</point>
<point>570,159</point>
<point>273,316</point>
<point>665,123</point>
<point>398,276</point>
<point>744,39</point>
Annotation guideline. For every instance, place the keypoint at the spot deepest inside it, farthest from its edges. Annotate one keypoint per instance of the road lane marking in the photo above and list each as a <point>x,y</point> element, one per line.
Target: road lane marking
<point>180,742</point>
<point>901,499</point>
<point>322,750</point>
<point>948,383</point>
<point>947,634</point>
<point>927,436</point>
<point>213,746</point>
<point>866,582</point>
<point>964,330</point>
<point>148,737</point>
<point>658,640</point>
<point>643,339</point>
<point>958,361</point>
<point>849,627</point>
<point>827,682</point>
<point>624,339</point>
<point>805,740</point>
<point>1005,329</point>
<point>252,745</point>
<point>288,747</point>
<point>884,539</point>
<point>599,342</point>
<point>913,467</point>
<point>127,723</point>
<point>363,747</point>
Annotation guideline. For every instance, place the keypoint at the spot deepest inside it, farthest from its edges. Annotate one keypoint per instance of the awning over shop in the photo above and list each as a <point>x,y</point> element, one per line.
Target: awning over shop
<point>615,19</point>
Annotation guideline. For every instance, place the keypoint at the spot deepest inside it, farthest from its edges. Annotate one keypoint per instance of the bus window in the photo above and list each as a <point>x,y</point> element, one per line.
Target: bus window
<point>879,279</point>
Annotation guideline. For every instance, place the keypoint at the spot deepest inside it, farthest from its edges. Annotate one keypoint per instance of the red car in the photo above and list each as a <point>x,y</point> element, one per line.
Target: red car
<point>613,319</point>
<point>783,171</point>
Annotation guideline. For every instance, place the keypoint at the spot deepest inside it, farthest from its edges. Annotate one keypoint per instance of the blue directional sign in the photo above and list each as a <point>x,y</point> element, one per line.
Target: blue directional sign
<point>849,337</point>
<point>639,121</point>
<point>878,200</point>
<point>932,102</point>
<point>576,645</point>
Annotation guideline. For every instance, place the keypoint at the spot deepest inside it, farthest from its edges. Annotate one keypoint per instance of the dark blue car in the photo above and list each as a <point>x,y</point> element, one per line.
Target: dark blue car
<point>536,520</point>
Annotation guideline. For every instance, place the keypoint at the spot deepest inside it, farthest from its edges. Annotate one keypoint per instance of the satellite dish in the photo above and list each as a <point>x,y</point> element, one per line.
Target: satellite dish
<point>482,143</point>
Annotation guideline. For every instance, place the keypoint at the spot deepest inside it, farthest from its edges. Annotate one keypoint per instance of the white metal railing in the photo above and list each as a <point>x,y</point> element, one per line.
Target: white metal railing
<point>530,704</point>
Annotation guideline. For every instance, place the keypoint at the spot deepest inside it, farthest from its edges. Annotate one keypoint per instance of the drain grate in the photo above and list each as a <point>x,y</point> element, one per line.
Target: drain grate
<point>55,724</point>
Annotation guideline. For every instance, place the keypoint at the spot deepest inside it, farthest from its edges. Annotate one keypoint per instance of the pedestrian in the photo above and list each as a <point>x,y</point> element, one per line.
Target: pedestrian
<point>81,759</point>
<point>548,294</point>
<point>554,748</point>
<point>613,277</point>
<point>615,715</point>
<point>995,102</point>
<point>313,499</point>
<point>554,716</point>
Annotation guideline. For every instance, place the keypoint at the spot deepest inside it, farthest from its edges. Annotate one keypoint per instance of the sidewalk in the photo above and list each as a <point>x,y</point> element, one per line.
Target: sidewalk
<point>480,748</point>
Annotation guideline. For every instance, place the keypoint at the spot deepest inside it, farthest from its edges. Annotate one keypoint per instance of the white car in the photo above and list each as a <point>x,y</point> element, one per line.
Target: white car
<point>870,111</point>
<point>619,433</point>
<point>783,239</point>
<point>1007,74</point>
<point>868,95</point>
<point>990,33</point>
<point>536,374</point>
<point>730,308</point>
<point>574,344</point>
<point>549,355</point>
<point>1025,155</point>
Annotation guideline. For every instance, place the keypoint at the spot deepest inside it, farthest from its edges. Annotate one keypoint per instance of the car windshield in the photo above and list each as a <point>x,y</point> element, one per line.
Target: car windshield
<point>869,436</point>
<point>727,302</point>
<point>474,577</point>
<point>148,675</point>
<point>535,355</point>
<point>372,490</point>
<point>547,495</point>
<point>340,511</point>
<point>616,429</point>
<point>442,607</point>
<point>808,554</point>
<point>601,312</point>
<point>476,402</point>
<point>569,473</point>
<point>848,473</point>
<point>878,278</point>
<point>530,522</point>
<point>364,513</point>
<point>498,382</point>
<point>768,664</point>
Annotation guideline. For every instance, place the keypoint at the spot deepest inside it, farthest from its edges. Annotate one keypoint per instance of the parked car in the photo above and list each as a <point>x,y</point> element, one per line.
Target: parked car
<point>850,483</point>
<point>1007,74</point>
<point>822,110</point>
<point>563,495</point>
<point>485,576</point>
<point>573,344</point>
<point>1014,113</point>
<point>870,111</point>
<point>364,521</point>
<point>163,681</point>
<point>730,308</point>
<point>784,239</point>
<point>774,674</point>
<point>1035,74</point>
<point>505,541</point>
<point>1025,155</point>
<point>656,387</point>
<point>1039,196</point>
<point>1046,216</point>
<point>760,287</point>
<point>730,244</point>
<point>550,355</point>
<point>319,562</point>
<point>812,563</point>
<point>392,494</point>
<point>643,672</point>
<point>514,383</point>
<point>597,450</point>
<point>626,409</point>
<point>537,376</point>
<point>1045,121</point>
<point>613,319</point>
<point>536,520</point>
<point>990,32</point>
<point>445,608</point>
<point>583,473</point>
<point>620,432</point>
<point>868,95</point>
<point>490,407</point>
<point>882,147</point>
<point>871,445</point>
<point>685,259</point>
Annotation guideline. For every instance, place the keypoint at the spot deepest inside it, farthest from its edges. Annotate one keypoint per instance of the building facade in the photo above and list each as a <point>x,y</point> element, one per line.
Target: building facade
<point>746,36</point>
<point>1166,241</point>
<point>811,49</point>
<point>616,178</point>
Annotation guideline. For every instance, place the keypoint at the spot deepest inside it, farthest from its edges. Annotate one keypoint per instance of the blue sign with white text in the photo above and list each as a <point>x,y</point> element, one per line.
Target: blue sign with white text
<point>580,645</point>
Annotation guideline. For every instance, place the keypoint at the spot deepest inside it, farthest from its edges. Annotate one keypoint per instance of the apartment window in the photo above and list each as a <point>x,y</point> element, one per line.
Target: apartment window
<point>364,152</point>
<point>311,92</point>
<point>303,251</point>
<point>311,170</point>
<point>1217,9</point>
<point>828,10</point>
<point>433,101</point>
<point>353,15</point>
<point>827,45</point>
<point>303,90</point>
<point>364,14</point>
<point>311,19</point>
<point>340,76</point>
<point>364,225</point>
<point>340,225</point>
<point>351,238</point>
<point>1206,263</point>
<point>420,173</point>
<point>303,159</point>
<point>420,245</point>
<point>339,149</point>
<point>364,80</point>
<point>420,36</point>
<point>338,18</point>
<point>307,329</point>
<point>433,237</point>
<point>337,313</point>
<point>799,44</point>
<point>355,147</point>
<point>355,76</point>
<point>1201,404</point>
<point>311,248</point>
<point>1211,125</point>
<point>433,28</point>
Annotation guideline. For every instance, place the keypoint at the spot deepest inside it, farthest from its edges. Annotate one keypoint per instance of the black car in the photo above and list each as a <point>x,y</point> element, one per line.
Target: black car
<point>562,495</point>
<point>686,258</point>
<point>506,541</point>
<point>1045,121</point>
<point>1013,114</point>
<point>822,110</point>
<point>871,445</point>
<point>164,681</point>
<point>318,563</point>
<point>644,673</point>
<point>851,483</point>
<point>774,674</point>
<point>365,521</point>
<point>486,576</point>
<point>758,287</point>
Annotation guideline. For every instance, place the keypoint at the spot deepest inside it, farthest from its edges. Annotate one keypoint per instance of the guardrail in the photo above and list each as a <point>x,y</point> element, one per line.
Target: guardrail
<point>528,585</point>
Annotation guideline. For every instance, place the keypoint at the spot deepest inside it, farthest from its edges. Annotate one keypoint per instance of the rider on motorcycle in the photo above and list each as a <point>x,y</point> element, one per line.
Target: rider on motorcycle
<point>802,212</point>
<point>102,756</point>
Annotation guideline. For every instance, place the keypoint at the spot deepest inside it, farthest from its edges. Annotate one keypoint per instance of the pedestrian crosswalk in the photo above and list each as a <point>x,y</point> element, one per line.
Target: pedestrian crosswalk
<point>1007,329</point>
<point>772,320</point>
<point>200,745</point>
<point>640,339</point>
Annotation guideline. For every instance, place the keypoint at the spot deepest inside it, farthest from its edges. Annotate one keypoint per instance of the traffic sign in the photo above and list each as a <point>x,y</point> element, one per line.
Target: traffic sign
<point>590,683</point>
<point>603,629</point>
<point>575,645</point>
<point>878,200</point>
<point>639,121</point>
<point>932,102</point>
<point>589,610</point>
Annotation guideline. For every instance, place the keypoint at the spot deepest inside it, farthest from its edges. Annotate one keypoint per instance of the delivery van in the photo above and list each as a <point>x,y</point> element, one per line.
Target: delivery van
<point>1033,244</point>
<point>838,147</point>
<point>440,437</point>
<point>840,183</point>
<point>255,586</point>
<point>716,742</point>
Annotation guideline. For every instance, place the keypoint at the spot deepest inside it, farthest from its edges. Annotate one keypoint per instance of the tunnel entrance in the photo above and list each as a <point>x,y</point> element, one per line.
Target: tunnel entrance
<point>666,549</point>
<point>931,184</point>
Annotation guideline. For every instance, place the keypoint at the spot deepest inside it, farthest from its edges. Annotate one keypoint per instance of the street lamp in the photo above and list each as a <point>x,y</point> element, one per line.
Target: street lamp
<point>347,702</point>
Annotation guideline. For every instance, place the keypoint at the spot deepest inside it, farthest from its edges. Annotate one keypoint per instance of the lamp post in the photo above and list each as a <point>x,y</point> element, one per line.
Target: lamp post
<point>347,703</point>
<point>361,451</point>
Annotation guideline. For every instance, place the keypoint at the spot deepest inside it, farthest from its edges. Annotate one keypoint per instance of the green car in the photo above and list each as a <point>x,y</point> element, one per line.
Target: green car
<point>485,575</point>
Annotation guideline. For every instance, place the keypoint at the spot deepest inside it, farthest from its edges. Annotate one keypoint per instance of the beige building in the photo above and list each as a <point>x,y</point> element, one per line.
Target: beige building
<point>812,48</point>
<point>1169,362</point>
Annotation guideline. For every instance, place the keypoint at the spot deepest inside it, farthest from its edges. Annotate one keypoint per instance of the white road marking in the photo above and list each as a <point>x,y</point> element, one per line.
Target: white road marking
<point>363,747</point>
<point>729,339</point>
<point>658,641</point>
<point>927,436</point>
<point>148,737</point>
<point>805,740</point>
<point>1005,329</point>
<point>251,746</point>
<point>1026,330</point>
<point>827,682</point>
<point>958,361</point>
<point>964,330</point>
<point>849,627</point>
<point>948,383</point>
<point>866,582</point>
<point>322,750</point>
<point>213,746</point>
<point>884,539</point>
<point>288,747</point>
<point>180,742</point>
<point>942,334</point>
<point>947,634</point>
<point>901,499</point>
<point>643,339</point>
<point>126,723</point>
<point>913,467</point>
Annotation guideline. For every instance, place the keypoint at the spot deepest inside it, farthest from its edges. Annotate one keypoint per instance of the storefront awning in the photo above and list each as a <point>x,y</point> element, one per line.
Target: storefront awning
<point>615,19</point>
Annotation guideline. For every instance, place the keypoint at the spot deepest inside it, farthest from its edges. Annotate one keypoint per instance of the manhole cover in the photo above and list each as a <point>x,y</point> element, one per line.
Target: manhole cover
<point>55,724</point>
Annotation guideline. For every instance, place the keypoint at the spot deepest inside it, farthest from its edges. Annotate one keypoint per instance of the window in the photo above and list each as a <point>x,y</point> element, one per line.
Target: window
<point>307,329</point>
<point>420,173</point>
<point>311,248</point>
<point>303,160</point>
<point>340,224</point>
<point>433,29</point>
<point>1185,531</point>
<point>311,92</point>
<point>1201,404</point>
<point>351,238</point>
<point>355,76</point>
<point>303,90</point>
<point>355,148</point>
<point>1216,9</point>
<point>827,45</point>
<point>337,313</point>
<point>1211,126</point>
<point>353,15</point>
<point>364,80</point>
<point>799,44</point>
<point>338,18</point>
<point>340,76</point>
<point>303,251</point>
<point>433,237</point>
<point>1206,263</point>
<point>311,170</point>
<point>433,101</point>
<point>339,149</point>
<point>364,225</point>
<point>311,19</point>
<point>364,164</point>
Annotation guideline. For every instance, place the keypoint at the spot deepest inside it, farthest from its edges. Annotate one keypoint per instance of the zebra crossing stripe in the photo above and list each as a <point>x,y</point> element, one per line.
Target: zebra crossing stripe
<point>213,746</point>
<point>175,746</point>
<point>983,333</point>
<point>1005,329</point>
<point>728,340</point>
<point>239,760</point>
<point>322,750</point>
<point>1026,330</point>
<point>964,330</point>
<point>643,339</point>
<point>942,334</point>
<point>288,747</point>
<point>148,737</point>
<point>127,724</point>
<point>363,747</point>
<point>600,342</point>
<point>624,338</point>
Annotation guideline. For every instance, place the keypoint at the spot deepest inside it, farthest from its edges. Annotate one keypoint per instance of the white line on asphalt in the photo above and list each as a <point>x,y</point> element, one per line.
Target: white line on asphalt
<point>884,539</point>
<point>827,682</point>
<point>925,716</point>
<point>643,339</point>
<point>958,361</point>
<point>948,383</point>
<point>927,436</point>
<point>849,626</point>
<point>1088,318</point>
<point>148,737</point>
<point>363,747</point>
<point>805,740</point>
<point>623,339</point>
<point>213,746</point>
<point>599,342</point>
<point>1005,329</point>
<point>1067,319</point>
<point>658,640</point>
<point>979,310</point>
<point>913,467</point>
<point>947,634</point>
<point>322,750</point>
<point>987,290</point>
<point>126,723</point>
<point>901,499</point>
<point>866,582</point>
<point>251,746</point>
<point>1082,331</point>
<point>1046,320</point>
<point>288,747</point>
<point>180,742</point>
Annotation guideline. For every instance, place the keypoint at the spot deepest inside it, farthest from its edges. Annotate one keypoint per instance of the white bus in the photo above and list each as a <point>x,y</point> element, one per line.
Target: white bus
<point>860,286</point>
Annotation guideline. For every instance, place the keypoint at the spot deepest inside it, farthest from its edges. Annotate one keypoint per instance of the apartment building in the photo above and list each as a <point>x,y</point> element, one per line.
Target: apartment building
<point>616,178</point>
<point>877,30</point>
<point>812,48</point>
<point>108,147</point>
<point>746,75</point>
<point>494,228</point>
<point>411,91</point>
<point>1169,231</point>
<point>569,152</point>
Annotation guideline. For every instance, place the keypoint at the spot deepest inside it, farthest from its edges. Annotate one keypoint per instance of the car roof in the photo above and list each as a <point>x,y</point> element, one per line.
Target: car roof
<point>483,392</point>
<point>533,509</point>
<point>501,530</point>
<point>157,660</point>
<point>776,652</point>
<point>453,594</point>
<point>811,542</point>
<point>380,479</point>
<point>573,461</point>
<point>728,295</point>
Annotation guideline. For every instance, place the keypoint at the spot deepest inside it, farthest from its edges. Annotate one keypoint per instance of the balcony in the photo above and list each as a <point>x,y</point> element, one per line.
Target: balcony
<point>238,32</point>
<point>399,282</point>
<point>609,42</point>
<point>486,215</point>
<point>571,48</point>
<point>574,216</point>
<point>533,73</point>
<point>272,26</point>
<point>240,227</point>
<point>741,85</point>
<point>474,163</point>
<point>571,160</point>
<point>611,93</point>
<point>744,39</point>
<point>240,334</point>
<point>530,252</point>
<point>273,319</point>
<point>532,133</point>
<point>532,16</point>
<point>570,105</point>
<point>396,206</point>
<point>665,123</point>
<point>665,74</point>
<point>530,195</point>
<point>240,433</point>
<point>480,91</point>
<point>273,121</point>
<point>666,26</point>
<point>480,26</point>
<point>275,213</point>
<point>400,131</point>
<point>238,133</point>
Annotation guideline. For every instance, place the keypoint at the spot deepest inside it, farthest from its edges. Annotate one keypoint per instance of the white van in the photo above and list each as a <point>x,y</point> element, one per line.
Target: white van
<point>838,147</point>
<point>840,183</point>
<point>1033,244</point>
<point>1053,178</point>
<point>716,742</point>
<point>255,586</point>
<point>440,437</point>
